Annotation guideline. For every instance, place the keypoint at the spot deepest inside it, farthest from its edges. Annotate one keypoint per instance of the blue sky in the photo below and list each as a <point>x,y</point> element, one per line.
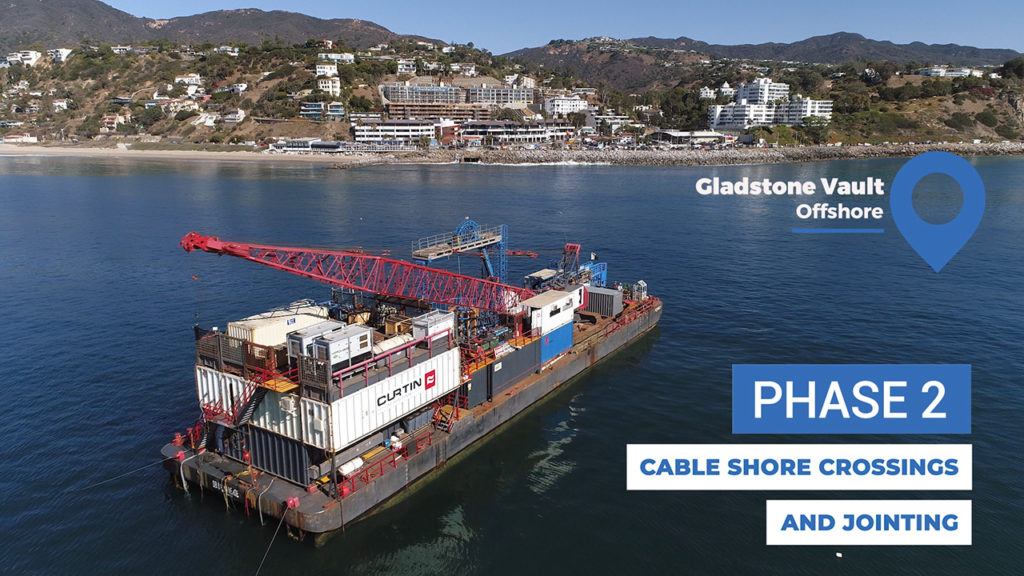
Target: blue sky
<point>506,26</point>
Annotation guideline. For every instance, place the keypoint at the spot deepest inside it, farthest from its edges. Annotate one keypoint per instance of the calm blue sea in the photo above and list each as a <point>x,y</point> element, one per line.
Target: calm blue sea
<point>98,301</point>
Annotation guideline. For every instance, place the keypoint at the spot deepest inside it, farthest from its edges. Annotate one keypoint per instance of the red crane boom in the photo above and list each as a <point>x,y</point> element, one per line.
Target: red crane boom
<point>373,274</point>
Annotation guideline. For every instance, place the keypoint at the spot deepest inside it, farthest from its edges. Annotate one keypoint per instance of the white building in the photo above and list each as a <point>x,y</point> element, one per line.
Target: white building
<point>762,91</point>
<point>422,94</point>
<point>229,50</point>
<point>327,70</point>
<point>191,79</point>
<point>59,54</point>
<point>740,116</point>
<point>726,90</point>
<point>563,105</point>
<point>239,88</point>
<point>234,116</point>
<point>406,66</point>
<point>394,130</point>
<point>499,95</point>
<point>773,106</point>
<point>614,122</point>
<point>448,49</point>
<point>464,68</point>
<point>707,93</point>
<point>343,57</point>
<point>60,104</point>
<point>793,111</point>
<point>121,50</point>
<point>331,86</point>
<point>26,57</point>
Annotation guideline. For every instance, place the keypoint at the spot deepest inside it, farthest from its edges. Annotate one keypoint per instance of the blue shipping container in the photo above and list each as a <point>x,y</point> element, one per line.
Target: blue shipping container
<point>555,342</point>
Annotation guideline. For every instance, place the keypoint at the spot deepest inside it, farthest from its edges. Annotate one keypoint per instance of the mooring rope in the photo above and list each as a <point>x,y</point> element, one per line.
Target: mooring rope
<point>161,461</point>
<point>283,514</point>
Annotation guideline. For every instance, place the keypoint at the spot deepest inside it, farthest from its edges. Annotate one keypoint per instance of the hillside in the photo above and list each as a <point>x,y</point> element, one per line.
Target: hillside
<point>840,47</point>
<point>56,23</point>
<point>655,63</point>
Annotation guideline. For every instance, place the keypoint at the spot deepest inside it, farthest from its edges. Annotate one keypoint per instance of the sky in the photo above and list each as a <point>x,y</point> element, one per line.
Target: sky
<point>506,26</point>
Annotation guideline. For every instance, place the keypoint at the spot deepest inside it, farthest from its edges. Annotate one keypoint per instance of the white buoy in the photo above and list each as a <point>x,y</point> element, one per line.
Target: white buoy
<point>839,554</point>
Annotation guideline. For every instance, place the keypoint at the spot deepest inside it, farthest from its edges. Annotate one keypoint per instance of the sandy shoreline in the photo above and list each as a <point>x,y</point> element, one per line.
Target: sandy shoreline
<point>610,157</point>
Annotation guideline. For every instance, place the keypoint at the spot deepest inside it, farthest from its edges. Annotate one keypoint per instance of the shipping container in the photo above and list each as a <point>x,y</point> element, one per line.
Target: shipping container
<point>278,455</point>
<point>604,301</point>
<point>218,388</point>
<point>513,367</point>
<point>432,323</point>
<point>478,389</point>
<point>272,328</point>
<point>300,342</point>
<point>555,342</point>
<point>359,414</point>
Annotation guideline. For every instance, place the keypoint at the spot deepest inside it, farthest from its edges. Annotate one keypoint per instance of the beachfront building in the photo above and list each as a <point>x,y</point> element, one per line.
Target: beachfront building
<point>409,131</point>
<point>564,105</point>
<point>762,91</point>
<point>436,110</point>
<point>771,105</point>
<point>740,116</point>
<point>793,111</point>
<point>507,132</point>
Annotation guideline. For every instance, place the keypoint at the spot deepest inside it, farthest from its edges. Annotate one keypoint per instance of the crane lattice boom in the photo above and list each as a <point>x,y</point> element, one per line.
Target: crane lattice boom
<point>372,274</point>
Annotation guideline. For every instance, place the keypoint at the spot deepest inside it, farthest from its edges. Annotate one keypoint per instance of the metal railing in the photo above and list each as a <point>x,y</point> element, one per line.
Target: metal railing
<point>373,470</point>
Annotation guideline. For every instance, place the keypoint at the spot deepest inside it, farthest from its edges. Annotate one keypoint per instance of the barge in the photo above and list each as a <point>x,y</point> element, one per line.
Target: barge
<point>313,414</point>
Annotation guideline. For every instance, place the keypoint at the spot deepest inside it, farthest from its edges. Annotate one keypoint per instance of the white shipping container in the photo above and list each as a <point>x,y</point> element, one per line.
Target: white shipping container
<point>316,423</point>
<point>272,328</point>
<point>376,406</point>
<point>269,415</point>
<point>217,388</point>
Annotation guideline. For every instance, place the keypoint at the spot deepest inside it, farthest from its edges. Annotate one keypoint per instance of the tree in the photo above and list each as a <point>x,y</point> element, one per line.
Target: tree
<point>577,119</point>
<point>150,116</point>
<point>816,128</point>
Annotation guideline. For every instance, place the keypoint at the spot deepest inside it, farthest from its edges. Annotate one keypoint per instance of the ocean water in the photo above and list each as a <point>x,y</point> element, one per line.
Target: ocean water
<point>98,300</point>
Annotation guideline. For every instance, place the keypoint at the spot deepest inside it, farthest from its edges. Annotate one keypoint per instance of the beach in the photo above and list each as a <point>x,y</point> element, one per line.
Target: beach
<point>622,157</point>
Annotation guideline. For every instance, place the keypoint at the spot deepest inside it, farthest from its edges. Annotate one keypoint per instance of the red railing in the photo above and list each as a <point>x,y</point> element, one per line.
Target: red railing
<point>475,357</point>
<point>370,472</point>
<point>632,313</point>
<point>407,360</point>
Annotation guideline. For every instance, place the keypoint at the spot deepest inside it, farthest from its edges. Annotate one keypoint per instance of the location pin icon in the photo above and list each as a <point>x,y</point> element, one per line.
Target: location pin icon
<point>937,243</point>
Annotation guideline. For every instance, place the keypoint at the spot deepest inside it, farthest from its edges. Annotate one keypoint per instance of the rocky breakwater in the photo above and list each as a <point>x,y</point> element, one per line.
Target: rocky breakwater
<point>718,157</point>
